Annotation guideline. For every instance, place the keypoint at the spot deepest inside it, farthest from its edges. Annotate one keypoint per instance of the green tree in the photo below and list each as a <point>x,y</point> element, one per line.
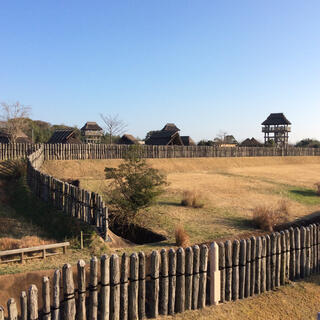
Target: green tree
<point>134,187</point>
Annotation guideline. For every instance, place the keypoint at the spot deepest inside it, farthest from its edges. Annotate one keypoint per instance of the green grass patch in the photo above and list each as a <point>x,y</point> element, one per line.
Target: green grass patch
<point>303,195</point>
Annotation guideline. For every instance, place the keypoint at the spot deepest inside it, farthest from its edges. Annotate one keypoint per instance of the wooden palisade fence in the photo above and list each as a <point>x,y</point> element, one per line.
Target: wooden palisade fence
<point>169,282</point>
<point>102,151</point>
<point>75,202</point>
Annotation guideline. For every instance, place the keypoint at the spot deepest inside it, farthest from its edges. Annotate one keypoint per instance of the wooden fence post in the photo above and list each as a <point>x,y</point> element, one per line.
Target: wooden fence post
<point>105,287</point>
<point>133,288</point>
<point>164,283</point>
<point>283,258</point>
<point>68,290</point>
<point>124,288</point>
<point>215,285</point>
<point>308,252</point>
<point>292,255</point>
<point>253,265</point>
<point>268,263</point>
<point>298,251</point>
<point>287,237</point>
<point>222,268</point>
<point>12,309</point>
<point>303,235</point>
<point>81,310</point>
<point>33,303</point>
<point>56,295</point>
<point>24,305</point>
<point>203,276</point>
<point>278,259</point>
<point>196,276</point>
<point>172,281</point>
<point>189,277</point>
<point>1,313</point>
<point>46,299</point>
<point>242,268</point>
<point>235,269</point>
<point>142,285</point>
<point>247,285</point>
<point>114,288</point>
<point>228,289</point>
<point>154,285</point>
<point>257,287</point>
<point>180,291</point>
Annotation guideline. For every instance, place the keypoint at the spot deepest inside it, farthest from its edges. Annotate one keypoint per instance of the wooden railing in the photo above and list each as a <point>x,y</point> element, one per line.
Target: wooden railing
<point>43,249</point>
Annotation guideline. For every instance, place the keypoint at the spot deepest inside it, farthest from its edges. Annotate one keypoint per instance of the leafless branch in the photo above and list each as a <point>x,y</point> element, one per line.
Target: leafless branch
<point>14,115</point>
<point>113,125</point>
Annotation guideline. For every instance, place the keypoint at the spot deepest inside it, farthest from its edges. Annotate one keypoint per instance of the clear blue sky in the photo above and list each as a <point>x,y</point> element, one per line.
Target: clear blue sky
<point>205,65</point>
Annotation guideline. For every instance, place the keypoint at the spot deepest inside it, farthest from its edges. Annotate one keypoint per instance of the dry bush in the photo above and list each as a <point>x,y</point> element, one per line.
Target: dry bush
<point>182,238</point>
<point>318,188</point>
<point>266,218</point>
<point>192,199</point>
<point>25,242</point>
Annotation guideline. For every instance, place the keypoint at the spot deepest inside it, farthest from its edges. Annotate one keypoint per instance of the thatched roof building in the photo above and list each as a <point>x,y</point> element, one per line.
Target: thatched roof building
<point>276,129</point>
<point>275,119</point>
<point>64,136</point>
<point>21,137</point>
<point>226,141</point>
<point>170,127</point>
<point>92,132</point>
<point>165,138</point>
<point>251,143</point>
<point>187,141</point>
<point>128,139</point>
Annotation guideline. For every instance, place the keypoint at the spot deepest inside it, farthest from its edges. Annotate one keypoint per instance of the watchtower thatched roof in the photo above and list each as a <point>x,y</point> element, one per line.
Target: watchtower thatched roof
<point>165,138</point>
<point>64,136</point>
<point>91,126</point>
<point>128,139</point>
<point>275,119</point>
<point>170,127</point>
<point>187,141</point>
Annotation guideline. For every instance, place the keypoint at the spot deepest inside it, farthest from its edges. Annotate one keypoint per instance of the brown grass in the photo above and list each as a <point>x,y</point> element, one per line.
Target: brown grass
<point>266,218</point>
<point>182,238</point>
<point>25,242</point>
<point>192,199</point>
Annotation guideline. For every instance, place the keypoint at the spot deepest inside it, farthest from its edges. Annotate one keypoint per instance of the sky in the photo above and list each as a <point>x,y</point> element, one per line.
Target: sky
<point>206,65</point>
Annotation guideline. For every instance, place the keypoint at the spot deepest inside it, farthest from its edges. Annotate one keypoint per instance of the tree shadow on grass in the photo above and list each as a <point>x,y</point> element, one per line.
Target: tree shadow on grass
<point>305,193</point>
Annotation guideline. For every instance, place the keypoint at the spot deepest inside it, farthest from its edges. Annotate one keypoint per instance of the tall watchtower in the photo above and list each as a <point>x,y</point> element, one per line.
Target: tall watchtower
<point>276,128</point>
<point>92,132</point>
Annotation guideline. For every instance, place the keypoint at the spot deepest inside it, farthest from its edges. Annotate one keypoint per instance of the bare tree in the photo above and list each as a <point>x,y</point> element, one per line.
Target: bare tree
<point>113,125</point>
<point>221,136</point>
<point>15,116</point>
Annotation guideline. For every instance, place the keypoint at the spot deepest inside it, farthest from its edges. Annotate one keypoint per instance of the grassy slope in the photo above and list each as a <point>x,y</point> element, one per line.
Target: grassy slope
<point>231,188</point>
<point>22,215</point>
<point>298,300</point>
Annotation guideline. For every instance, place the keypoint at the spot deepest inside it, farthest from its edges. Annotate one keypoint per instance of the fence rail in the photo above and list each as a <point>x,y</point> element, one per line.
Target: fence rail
<point>172,281</point>
<point>43,248</point>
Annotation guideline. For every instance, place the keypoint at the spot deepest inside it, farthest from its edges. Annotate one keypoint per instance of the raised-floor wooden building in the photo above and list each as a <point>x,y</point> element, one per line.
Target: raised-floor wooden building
<point>276,129</point>
<point>92,132</point>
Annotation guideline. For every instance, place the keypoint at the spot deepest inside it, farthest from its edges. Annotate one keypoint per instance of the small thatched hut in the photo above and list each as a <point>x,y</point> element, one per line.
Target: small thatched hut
<point>251,143</point>
<point>128,139</point>
<point>187,141</point>
<point>21,137</point>
<point>64,136</point>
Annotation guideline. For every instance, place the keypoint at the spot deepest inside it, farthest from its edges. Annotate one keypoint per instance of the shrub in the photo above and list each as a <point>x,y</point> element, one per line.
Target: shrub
<point>266,218</point>
<point>135,186</point>
<point>318,188</point>
<point>182,238</point>
<point>191,199</point>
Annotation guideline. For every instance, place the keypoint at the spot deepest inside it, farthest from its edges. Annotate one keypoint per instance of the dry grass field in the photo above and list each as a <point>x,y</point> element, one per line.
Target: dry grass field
<point>230,189</point>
